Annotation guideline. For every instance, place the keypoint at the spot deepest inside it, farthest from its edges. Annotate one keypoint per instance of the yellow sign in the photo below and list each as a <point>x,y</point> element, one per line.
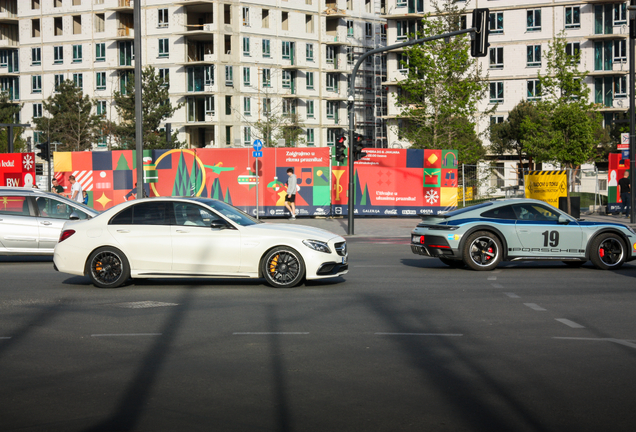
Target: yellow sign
<point>460,194</point>
<point>546,186</point>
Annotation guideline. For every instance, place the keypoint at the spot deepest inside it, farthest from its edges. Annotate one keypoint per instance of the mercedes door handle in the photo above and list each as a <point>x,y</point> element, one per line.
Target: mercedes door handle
<point>183,231</point>
<point>46,223</point>
<point>123,231</point>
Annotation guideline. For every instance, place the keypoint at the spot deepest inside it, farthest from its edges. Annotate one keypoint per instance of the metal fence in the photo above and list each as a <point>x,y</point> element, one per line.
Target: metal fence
<point>478,183</point>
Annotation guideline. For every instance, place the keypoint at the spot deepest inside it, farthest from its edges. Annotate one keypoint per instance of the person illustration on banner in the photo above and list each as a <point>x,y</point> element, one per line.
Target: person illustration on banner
<point>290,198</point>
<point>133,193</point>
<point>625,190</point>
<point>76,190</point>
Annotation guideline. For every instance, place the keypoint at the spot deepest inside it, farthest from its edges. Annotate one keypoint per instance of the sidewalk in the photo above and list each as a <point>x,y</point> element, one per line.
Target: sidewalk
<point>399,227</point>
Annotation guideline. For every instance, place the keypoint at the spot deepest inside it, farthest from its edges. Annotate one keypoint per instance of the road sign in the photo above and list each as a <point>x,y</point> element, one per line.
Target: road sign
<point>257,154</point>
<point>624,144</point>
<point>258,145</point>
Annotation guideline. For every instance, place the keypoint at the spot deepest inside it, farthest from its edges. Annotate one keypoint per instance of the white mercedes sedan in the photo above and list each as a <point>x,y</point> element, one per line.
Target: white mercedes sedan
<point>195,237</point>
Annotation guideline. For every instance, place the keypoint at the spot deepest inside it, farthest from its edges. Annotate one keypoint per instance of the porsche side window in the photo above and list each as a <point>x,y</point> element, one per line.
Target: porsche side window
<point>534,212</point>
<point>14,205</point>
<point>505,212</point>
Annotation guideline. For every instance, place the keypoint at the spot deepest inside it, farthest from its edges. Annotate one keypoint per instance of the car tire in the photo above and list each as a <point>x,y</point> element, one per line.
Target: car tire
<point>108,267</point>
<point>482,251</point>
<point>607,251</point>
<point>283,267</point>
<point>452,263</point>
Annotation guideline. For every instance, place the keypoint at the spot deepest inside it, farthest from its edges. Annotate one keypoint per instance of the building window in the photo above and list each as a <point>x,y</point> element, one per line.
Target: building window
<point>620,51</point>
<point>246,17</point>
<point>227,14</point>
<point>265,18</point>
<point>36,84</point>
<point>246,46</point>
<point>100,80</point>
<point>267,78</point>
<point>603,55</point>
<point>332,108</point>
<point>78,80</point>
<point>266,48</point>
<point>228,105</point>
<point>533,55</point>
<point>310,109</point>
<point>209,75</point>
<point>284,20</point>
<point>36,56</point>
<point>100,52</point>
<point>330,53</point>
<point>332,82</point>
<point>310,138</point>
<point>58,80</point>
<point>400,3</point>
<point>533,20</point>
<point>286,79</point>
<point>35,28</point>
<point>496,58</point>
<point>162,18</point>
<point>229,76</point>
<point>99,23</point>
<point>196,78</point>
<point>247,106</point>
<point>496,23</point>
<point>77,53</point>
<point>572,17</point>
<point>574,49</point>
<point>77,24</point>
<point>309,23</point>
<point>496,120</point>
<point>267,106</point>
<point>534,90</point>
<point>37,110</point>
<point>368,30</point>
<point>209,105</point>
<point>228,135</point>
<point>309,78</point>
<point>246,76</point>
<point>35,4</point>
<point>164,75</point>
<point>402,29</point>
<point>403,64</point>
<point>309,52</point>
<point>620,13</point>
<point>349,28</point>
<point>620,87</point>
<point>286,50</point>
<point>496,92</point>
<point>58,54</point>
<point>164,47</point>
<point>604,91</point>
<point>247,136</point>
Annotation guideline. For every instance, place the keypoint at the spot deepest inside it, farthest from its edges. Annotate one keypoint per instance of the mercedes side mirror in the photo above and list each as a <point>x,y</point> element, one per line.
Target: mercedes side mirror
<point>218,224</point>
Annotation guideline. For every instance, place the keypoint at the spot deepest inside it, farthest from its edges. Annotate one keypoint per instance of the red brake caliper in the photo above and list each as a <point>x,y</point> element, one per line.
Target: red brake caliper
<point>489,251</point>
<point>601,252</point>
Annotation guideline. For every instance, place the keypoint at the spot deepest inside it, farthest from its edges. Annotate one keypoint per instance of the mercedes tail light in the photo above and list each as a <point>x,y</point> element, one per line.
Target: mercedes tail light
<point>66,234</point>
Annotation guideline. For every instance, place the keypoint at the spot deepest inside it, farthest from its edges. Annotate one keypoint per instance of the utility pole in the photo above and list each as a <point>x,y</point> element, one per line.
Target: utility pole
<point>10,126</point>
<point>632,112</point>
<point>139,129</point>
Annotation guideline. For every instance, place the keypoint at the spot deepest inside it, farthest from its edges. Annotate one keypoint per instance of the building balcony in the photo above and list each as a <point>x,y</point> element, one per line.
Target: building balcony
<point>124,33</point>
<point>125,6</point>
<point>599,73</point>
<point>607,36</point>
<point>195,3</point>
<point>198,32</point>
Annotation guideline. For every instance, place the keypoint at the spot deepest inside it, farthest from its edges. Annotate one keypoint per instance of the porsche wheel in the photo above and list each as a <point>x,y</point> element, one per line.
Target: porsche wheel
<point>452,263</point>
<point>283,267</point>
<point>607,251</point>
<point>482,251</point>
<point>108,268</point>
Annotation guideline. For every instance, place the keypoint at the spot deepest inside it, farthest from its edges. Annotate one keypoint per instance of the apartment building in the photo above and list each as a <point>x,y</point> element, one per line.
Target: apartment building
<point>232,62</point>
<point>520,32</point>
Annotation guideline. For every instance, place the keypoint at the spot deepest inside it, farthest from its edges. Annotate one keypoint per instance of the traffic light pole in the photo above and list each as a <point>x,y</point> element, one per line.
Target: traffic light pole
<point>10,133</point>
<point>139,113</point>
<point>351,99</point>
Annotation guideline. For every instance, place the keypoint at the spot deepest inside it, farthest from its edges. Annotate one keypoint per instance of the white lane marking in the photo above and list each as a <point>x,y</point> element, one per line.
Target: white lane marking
<point>492,277</point>
<point>512,295</point>
<point>270,333</point>
<point>420,334</point>
<point>534,306</point>
<point>497,285</point>
<point>616,341</point>
<point>569,323</point>
<point>126,334</point>
<point>143,304</point>
<point>496,271</point>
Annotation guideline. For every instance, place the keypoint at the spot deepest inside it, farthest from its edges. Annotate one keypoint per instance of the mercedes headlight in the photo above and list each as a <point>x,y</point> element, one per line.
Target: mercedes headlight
<point>317,245</point>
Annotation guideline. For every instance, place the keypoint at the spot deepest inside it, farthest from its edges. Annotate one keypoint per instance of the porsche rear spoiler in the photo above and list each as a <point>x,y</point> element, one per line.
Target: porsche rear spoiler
<point>429,217</point>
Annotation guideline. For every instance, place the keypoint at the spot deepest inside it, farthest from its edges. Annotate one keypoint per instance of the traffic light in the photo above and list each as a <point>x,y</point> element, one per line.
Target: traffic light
<point>358,146</point>
<point>341,150</point>
<point>479,43</point>
<point>45,150</point>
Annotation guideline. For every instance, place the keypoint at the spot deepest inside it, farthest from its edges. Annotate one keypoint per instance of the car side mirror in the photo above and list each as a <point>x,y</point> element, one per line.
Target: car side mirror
<point>218,224</point>
<point>74,216</point>
<point>563,220</point>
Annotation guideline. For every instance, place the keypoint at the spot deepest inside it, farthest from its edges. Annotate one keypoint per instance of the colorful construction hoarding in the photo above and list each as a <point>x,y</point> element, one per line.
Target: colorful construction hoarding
<point>616,171</point>
<point>17,169</point>
<point>388,182</point>
<point>399,182</point>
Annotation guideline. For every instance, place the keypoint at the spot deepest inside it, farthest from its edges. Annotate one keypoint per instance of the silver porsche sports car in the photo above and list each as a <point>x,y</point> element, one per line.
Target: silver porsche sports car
<point>483,235</point>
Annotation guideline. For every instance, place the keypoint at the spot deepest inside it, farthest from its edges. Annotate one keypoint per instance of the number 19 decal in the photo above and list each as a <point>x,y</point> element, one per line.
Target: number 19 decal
<point>550,238</point>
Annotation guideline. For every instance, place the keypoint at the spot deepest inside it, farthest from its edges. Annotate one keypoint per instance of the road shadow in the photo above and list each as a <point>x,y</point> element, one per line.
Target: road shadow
<point>25,258</point>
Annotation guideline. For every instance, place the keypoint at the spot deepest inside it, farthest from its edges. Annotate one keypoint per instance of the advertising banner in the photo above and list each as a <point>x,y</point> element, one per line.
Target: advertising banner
<point>616,171</point>
<point>399,182</point>
<point>17,169</point>
<point>226,174</point>
<point>546,186</point>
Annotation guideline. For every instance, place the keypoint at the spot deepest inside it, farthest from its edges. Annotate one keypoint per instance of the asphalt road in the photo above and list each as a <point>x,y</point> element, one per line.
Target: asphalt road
<point>402,343</point>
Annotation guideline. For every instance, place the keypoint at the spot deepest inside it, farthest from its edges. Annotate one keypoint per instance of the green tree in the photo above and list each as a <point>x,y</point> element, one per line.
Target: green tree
<point>508,137</point>
<point>444,84</point>
<point>9,113</point>
<point>69,118</point>
<point>291,130</point>
<point>156,108</point>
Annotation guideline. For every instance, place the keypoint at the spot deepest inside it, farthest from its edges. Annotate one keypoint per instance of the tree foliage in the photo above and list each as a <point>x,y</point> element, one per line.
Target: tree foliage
<point>156,108</point>
<point>69,118</point>
<point>510,138</point>
<point>9,113</point>
<point>443,86</point>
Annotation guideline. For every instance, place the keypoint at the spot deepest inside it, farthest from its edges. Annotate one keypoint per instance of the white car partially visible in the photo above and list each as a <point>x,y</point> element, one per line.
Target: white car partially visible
<point>195,237</point>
